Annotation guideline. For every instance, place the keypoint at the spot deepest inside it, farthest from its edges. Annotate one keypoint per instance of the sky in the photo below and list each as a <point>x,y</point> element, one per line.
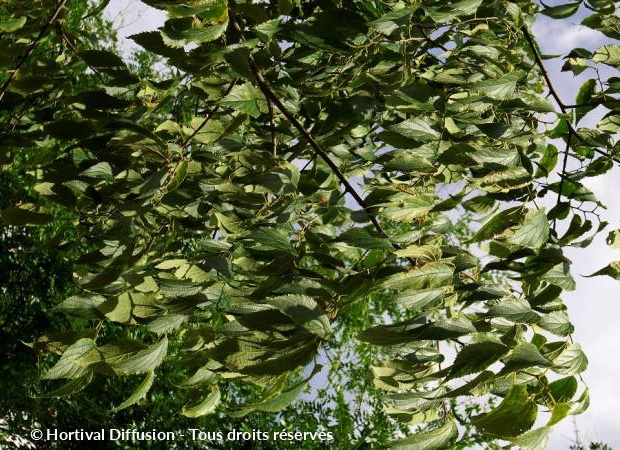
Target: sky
<point>594,307</point>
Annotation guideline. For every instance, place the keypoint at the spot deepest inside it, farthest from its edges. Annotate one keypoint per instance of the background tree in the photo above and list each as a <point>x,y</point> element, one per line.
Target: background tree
<point>293,180</point>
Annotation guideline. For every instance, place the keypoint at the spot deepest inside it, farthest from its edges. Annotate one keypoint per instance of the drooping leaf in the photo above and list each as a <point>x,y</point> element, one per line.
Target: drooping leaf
<point>534,232</point>
<point>513,416</point>
<point>562,11</point>
<point>144,360</point>
<point>439,438</point>
<point>304,311</point>
<point>204,407</point>
<point>139,393</point>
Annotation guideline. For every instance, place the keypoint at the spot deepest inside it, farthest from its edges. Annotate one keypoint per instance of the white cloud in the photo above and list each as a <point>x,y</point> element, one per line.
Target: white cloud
<point>132,17</point>
<point>561,36</point>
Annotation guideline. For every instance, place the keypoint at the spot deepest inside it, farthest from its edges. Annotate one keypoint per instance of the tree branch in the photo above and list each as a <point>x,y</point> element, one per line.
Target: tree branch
<point>541,66</point>
<point>553,92</point>
<point>273,98</point>
<point>31,48</point>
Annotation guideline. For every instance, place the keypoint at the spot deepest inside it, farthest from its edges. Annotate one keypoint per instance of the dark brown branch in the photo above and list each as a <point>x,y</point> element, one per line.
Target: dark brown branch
<point>541,66</point>
<point>272,125</point>
<point>273,98</point>
<point>267,92</point>
<point>31,48</point>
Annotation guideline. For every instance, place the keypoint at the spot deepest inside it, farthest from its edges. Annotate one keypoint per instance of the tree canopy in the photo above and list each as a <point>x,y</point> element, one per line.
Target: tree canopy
<point>391,182</point>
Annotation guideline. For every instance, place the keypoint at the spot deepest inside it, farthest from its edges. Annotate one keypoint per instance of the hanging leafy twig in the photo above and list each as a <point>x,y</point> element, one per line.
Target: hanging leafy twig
<point>31,48</point>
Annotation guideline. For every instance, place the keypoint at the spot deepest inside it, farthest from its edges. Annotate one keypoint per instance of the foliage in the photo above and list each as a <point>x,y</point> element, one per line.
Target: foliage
<point>36,276</point>
<point>292,182</point>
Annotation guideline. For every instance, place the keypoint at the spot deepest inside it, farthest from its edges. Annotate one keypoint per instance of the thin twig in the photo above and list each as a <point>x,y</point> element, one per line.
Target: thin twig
<point>31,48</point>
<point>187,141</point>
<point>554,93</point>
<point>206,119</point>
<point>274,142</point>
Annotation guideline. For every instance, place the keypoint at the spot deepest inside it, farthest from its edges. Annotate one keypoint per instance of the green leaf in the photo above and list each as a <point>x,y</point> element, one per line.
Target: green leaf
<point>556,322</point>
<point>247,99</point>
<point>362,238</point>
<point>502,88</point>
<point>499,223</point>
<point>558,413</point>
<point>496,156</point>
<point>12,24</point>
<point>584,96</point>
<point>202,376</point>
<point>420,252</point>
<point>534,439</point>
<point>419,300</point>
<point>447,13</point>
<point>563,390</point>
<point>283,400</point>
<point>523,356</point>
<point>417,129</point>
<point>203,131</point>
<point>166,323</point>
<point>24,215</point>
<point>582,404</point>
<point>562,11</point>
<point>70,388</point>
<point>534,232</point>
<point>204,407</point>
<point>268,29</point>
<point>304,311</point>
<point>476,357</point>
<point>504,181</point>
<point>179,32</point>
<point>68,366</point>
<point>144,360</point>
<point>102,59</point>
<point>413,208</point>
<point>178,175</point>
<point>153,42</point>
<point>548,161</point>
<point>101,170</point>
<point>608,24</point>
<point>611,270</point>
<point>480,204</point>
<point>139,393</point>
<point>515,310</point>
<point>431,275</point>
<point>613,239</point>
<point>571,361</point>
<point>446,329</point>
<point>274,401</point>
<point>513,416</point>
<point>436,439</point>
<point>86,307</point>
<point>608,54</point>
<point>560,276</point>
